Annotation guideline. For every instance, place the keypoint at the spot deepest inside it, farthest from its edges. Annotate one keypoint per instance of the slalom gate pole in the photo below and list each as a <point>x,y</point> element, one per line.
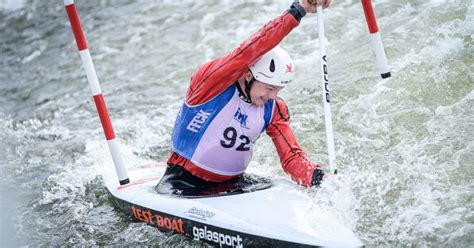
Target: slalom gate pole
<point>376,40</point>
<point>326,99</point>
<point>96,91</point>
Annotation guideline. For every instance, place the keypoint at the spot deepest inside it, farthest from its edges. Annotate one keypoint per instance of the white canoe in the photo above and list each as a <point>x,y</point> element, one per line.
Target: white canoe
<point>272,217</point>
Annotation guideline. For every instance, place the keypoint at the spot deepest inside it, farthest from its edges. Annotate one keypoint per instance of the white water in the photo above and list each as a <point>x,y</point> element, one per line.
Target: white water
<point>404,146</point>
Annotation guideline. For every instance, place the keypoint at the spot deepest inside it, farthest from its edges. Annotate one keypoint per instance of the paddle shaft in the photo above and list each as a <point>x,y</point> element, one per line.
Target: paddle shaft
<point>96,91</point>
<point>325,87</point>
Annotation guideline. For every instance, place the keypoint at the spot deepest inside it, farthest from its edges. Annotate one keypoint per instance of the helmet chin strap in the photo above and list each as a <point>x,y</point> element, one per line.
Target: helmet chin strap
<point>248,85</point>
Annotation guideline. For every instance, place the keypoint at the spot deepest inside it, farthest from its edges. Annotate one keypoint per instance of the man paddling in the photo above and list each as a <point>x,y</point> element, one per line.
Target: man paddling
<point>232,100</point>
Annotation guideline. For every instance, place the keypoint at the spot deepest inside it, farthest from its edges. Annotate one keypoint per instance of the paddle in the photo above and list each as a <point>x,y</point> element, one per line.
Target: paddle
<point>326,99</point>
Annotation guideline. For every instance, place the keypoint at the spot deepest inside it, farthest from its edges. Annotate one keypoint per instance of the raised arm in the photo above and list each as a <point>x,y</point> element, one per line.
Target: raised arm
<point>215,76</point>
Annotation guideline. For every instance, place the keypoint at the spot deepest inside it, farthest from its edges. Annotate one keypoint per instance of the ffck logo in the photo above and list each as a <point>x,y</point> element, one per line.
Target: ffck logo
<point>241,117</point>
<point>289,68</point>
<point>197,121</point>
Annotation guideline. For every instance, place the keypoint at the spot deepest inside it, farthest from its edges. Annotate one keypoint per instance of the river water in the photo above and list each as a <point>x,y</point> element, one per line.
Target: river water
<point>404,146</point>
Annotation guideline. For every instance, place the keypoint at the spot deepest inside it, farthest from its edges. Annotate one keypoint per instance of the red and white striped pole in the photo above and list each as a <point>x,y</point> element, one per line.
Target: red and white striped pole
<point>376,39</point>
<point>96,91</point>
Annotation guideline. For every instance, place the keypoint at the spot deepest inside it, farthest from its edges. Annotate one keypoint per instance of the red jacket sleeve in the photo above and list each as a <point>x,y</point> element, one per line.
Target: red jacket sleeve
<point>217,75</point>
<point>293,159</point>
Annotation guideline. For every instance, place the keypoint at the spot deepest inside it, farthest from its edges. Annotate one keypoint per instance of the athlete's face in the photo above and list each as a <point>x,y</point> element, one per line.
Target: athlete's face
<point>260,92</point>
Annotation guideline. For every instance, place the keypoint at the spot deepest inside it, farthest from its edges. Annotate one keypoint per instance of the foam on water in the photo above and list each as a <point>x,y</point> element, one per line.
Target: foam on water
<point>12,5</point>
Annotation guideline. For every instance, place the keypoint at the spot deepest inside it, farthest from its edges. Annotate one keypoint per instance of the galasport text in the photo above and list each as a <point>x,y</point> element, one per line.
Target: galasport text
<point>217,237</point>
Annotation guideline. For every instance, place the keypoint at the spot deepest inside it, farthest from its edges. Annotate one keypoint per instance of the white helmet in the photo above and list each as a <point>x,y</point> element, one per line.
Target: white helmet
<point>275,68</point>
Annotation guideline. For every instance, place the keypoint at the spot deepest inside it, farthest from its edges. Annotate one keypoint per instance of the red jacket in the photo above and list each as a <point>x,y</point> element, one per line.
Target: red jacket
<point>214,77</point>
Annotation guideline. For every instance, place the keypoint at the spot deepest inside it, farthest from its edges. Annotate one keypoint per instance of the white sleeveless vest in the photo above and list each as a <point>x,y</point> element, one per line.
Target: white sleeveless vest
<point>219,135</point>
